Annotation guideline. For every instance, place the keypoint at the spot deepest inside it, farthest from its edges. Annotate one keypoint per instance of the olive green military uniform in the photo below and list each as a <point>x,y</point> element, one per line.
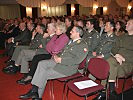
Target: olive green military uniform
<point>124,47</point>
<point>105,45</point>
<point>92,38</point>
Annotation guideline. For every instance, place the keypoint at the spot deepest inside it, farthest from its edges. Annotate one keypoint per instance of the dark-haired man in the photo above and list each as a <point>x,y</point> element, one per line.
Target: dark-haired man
<point>91,36</point>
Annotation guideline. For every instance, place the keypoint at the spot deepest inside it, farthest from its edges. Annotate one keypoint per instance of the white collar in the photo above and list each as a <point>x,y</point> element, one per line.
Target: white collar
<point>23,29</point>
<point>76,39</point>
<point>91,30</point>
<point>52,34</point>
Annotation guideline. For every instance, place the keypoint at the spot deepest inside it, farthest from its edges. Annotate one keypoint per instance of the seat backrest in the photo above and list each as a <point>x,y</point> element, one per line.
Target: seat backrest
<point>99,68</point>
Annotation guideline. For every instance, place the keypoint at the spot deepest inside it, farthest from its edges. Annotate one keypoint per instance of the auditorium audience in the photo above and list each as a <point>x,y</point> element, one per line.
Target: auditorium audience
<point>103,36</point>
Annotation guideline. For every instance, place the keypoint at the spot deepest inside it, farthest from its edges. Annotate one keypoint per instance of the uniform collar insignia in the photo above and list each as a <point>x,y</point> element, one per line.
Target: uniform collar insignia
<point>111,35</point>
<point>78,41</point>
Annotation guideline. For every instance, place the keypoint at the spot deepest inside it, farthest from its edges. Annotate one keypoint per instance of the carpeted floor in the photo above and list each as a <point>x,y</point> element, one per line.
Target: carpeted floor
<point>10,90</point>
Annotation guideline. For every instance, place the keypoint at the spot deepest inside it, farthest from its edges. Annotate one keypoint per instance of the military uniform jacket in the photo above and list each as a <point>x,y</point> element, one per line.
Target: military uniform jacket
<point>36,42</point>
<point>43,42</point>
<point>92,39</point>
<point>72,55</point>
<point>105,45</point>
<point>124,47</point>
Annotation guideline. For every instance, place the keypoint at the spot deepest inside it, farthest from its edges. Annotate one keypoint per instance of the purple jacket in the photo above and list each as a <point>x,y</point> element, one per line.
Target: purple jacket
<point>56,44</point>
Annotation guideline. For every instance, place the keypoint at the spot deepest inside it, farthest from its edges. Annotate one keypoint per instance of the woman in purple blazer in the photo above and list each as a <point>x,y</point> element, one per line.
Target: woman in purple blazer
<point>58,41</point>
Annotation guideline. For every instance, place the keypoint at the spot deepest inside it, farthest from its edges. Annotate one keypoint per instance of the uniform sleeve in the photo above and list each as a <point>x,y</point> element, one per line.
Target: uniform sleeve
<point>107,50</point>
<point>95,41</point>
<point>44,42</point>
<point>116,46</point>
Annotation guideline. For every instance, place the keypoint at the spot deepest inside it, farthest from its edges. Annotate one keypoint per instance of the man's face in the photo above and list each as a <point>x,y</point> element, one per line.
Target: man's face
<point>129,25</point>
<point>21,26</point>
<point>117,26</point>
<point>29,26</point>
<point>44,21</point>
<point>73,33</point>
<point>108,27</point>
<point>38,28</point>
<point>67,22</point>
<point>89,25</point>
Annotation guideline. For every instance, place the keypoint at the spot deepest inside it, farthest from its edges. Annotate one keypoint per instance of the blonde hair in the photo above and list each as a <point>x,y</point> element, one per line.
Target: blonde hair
<point>61,26</point>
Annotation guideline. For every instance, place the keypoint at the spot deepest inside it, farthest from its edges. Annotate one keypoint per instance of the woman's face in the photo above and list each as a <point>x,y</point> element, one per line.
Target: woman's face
<point>49,30</point>
<point>58,31</point>
<point>117,26</point>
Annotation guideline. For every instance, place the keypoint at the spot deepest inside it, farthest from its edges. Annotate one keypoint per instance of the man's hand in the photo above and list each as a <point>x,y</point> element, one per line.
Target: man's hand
<point>17,43</point>
<point>10,31</point>
<point>57,59</point>
<point>100,56</point>
<point>40,46</point>
<point>9,40</point>
<point>45,35</point>
<point>119,58</point>
<point>33,34</point>
<point>94,53</point>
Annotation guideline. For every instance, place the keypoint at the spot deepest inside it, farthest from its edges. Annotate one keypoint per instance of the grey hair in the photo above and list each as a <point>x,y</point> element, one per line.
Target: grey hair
<point>61,26</point>
<point>79,29</point>
<point>52,26</point>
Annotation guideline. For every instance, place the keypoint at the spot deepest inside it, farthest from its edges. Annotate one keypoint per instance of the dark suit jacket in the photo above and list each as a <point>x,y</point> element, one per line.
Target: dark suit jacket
<point>23,38</point>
